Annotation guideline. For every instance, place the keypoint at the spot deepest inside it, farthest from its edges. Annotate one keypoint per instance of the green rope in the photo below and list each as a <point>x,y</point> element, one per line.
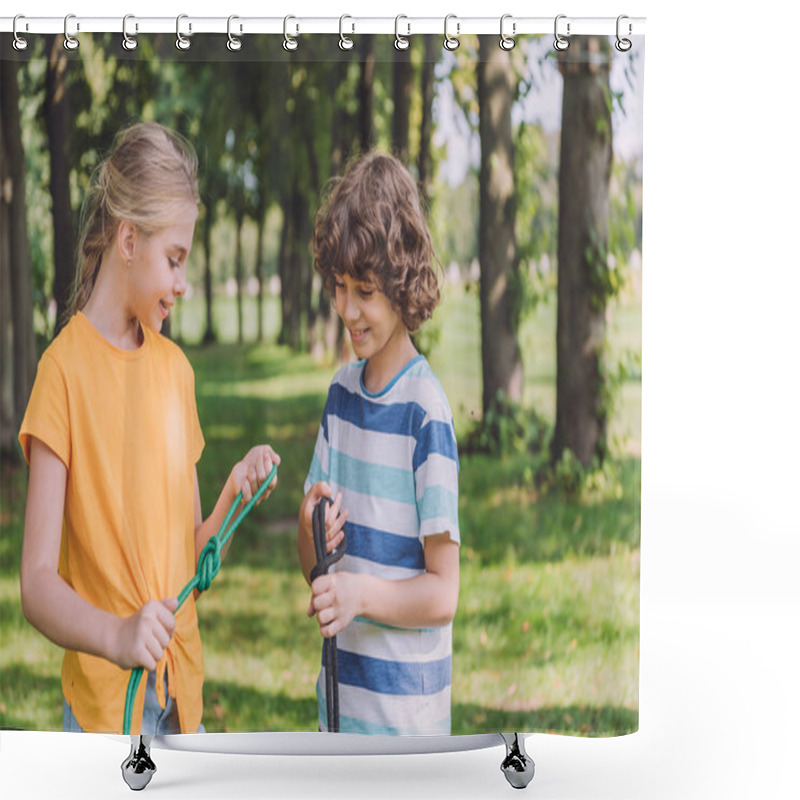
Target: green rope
<point>207,568</point>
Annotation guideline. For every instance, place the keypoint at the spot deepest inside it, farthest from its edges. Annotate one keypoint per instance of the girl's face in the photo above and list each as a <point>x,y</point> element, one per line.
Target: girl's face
<point>376,329</point>
<point>158,271</point>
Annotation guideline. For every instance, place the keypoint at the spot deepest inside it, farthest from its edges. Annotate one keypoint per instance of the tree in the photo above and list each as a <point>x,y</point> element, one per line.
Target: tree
<point>425,157</point>
<point>17,343</point>
<point>366,96</point>
<point>500,352</point>
<point>402,88</point>
<point>583,212</point>
<point>56,111</point>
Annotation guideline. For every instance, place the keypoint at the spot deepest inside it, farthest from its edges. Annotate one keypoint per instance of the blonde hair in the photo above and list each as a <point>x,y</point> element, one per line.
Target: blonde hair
<point>150,171</point>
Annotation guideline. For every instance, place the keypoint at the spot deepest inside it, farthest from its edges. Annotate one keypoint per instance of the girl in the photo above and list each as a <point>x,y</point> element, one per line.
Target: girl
<point>113,522</point>
<point>387,449</point>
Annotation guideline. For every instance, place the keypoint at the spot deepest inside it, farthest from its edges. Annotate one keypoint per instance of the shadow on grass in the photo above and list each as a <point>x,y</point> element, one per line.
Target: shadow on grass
<point>230,707</point>
<point>573,720</point>
<point>29,698</point>
<point>504,519</point>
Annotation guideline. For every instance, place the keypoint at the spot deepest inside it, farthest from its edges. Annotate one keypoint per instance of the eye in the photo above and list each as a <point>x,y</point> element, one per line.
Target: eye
<point>174,263</point>
<point>366,290</point>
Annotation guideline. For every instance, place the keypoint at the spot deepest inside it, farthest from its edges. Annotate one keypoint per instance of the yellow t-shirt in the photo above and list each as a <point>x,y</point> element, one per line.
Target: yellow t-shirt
<point>124,422</point>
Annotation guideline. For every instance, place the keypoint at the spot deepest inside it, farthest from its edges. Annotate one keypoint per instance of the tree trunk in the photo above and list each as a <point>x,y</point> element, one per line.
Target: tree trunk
<point>261,221</point>
<point>56,111</point>
<point>209,336</point>
<point>17,337</point>
<point>366,96</point>
<point>239,279</point>
<point>583,205</point>
<point>497,249</point>
<point>342,127</point>
<point>425,157</point>
<point>402,86</point>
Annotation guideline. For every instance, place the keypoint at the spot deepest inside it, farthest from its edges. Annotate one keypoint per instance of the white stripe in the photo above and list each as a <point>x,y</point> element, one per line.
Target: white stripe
<point>386,449</point>
<point>363,566</point>
<point>405,646</point>
<point>400,711</point>
<point>418,386</point>
<point>432,527</point>
<point>437,470</point>
<point>387,515</point>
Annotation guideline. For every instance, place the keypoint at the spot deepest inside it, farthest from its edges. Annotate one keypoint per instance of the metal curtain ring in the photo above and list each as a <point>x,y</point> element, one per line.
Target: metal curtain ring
<point>128,42</point>
<point>70,42</point>
<point>450,42</point>
<point>20,43</point>
<point>181,42</point>
<point>234,43</point>
<point>289,42</point>
<point>623,45</point>
<point>560,42</point>
<point>401,42</point>
<point>345,42</point>
<point>507,42</point>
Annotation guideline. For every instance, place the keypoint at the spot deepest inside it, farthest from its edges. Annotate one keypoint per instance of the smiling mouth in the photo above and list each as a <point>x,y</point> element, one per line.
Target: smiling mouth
<point>358,335</point>
<point>164,308</point>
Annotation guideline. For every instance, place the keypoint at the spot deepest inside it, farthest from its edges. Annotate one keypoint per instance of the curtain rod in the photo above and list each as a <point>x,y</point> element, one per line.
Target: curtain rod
<point>186,25</point>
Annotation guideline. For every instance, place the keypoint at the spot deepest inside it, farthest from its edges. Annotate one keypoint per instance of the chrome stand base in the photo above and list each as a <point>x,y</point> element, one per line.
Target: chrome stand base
<point>518,766</point>
<point>138,768</point>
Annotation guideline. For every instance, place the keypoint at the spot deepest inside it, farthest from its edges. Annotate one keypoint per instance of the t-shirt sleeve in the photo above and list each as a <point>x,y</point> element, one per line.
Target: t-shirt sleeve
<point>47,415</point>
<point>197,440</point>
<point>436,478</point>
<point>320,461</point>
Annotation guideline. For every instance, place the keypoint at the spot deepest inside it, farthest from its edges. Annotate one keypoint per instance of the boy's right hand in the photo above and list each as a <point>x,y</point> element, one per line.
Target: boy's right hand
<point>142,638</point>
<point>335,516</point>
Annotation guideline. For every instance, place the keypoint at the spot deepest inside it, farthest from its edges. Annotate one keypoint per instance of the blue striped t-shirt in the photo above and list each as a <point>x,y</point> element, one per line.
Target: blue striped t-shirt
<point>393,457</point>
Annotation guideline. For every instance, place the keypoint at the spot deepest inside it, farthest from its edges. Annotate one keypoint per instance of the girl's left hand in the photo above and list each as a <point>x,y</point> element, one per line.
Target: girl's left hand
<point>249,473</point>
<point>336,600</point>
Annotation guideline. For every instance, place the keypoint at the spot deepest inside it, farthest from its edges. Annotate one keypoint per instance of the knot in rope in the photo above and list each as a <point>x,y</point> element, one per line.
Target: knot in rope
<point>208,564</point>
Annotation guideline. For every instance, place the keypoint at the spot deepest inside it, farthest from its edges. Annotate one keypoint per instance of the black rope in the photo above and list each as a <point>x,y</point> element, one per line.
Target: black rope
<point>329,653</point>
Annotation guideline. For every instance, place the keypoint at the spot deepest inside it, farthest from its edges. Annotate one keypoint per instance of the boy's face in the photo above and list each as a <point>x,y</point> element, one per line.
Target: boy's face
<point>375,328</point>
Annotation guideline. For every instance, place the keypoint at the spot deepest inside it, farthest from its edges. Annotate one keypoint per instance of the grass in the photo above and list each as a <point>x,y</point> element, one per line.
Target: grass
<point>546,634</point>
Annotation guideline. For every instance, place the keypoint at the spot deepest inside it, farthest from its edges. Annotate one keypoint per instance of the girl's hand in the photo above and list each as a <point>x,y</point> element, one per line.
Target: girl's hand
<point>335,516</point>
<point>142,638</point>
<point>249,473</point>
<point>336,601</point>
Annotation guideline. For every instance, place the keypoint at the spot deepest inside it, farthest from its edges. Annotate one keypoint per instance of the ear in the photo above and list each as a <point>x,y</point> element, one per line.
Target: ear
<point>126,240</point>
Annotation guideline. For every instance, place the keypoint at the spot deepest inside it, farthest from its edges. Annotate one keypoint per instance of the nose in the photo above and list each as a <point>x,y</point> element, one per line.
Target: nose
<point>180,282</point>
<point>348,305</point>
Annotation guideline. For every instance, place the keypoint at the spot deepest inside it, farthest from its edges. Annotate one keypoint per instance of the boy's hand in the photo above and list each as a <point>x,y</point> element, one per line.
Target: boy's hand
<point>335,516</point>
<point>141,639</point>
<point>336,600</point>
<point>249,473</point>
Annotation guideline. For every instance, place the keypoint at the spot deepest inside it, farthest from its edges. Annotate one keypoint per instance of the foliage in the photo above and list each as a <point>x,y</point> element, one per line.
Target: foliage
<point>507,427</point>
<point>548,582</point>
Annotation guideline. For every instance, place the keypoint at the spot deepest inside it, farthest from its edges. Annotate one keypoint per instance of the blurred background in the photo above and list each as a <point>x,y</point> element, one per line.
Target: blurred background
<point>530,165</point>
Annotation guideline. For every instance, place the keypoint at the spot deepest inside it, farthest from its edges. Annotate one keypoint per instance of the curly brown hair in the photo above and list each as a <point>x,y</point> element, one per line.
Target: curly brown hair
<point>371,226</point>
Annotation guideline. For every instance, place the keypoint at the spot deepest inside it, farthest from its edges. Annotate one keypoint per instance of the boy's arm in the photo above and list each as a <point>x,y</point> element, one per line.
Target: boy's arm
<point>334,524</point>
<point>425,601</point>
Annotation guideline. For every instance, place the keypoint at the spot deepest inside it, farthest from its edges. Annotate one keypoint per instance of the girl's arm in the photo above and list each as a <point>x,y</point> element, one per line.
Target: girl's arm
<point>246,476</point>
<point>428,600</point>
<point>53,607</point>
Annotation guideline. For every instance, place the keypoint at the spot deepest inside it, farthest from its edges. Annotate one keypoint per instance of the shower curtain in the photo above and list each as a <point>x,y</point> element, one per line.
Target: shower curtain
<point>528,160</point>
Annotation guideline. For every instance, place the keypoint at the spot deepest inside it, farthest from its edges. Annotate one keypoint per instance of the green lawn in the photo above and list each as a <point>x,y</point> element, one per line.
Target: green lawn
<point>546,634</point>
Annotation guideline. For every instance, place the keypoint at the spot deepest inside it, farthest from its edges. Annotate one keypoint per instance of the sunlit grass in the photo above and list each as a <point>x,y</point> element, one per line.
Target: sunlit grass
<point>546,633</point>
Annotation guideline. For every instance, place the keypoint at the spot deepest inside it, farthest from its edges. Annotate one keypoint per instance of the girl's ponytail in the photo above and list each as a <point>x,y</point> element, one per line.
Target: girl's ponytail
<point>150,172</point>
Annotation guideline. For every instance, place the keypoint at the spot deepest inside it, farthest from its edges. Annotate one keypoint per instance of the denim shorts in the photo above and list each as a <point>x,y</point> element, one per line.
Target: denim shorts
<point>155,720</point>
